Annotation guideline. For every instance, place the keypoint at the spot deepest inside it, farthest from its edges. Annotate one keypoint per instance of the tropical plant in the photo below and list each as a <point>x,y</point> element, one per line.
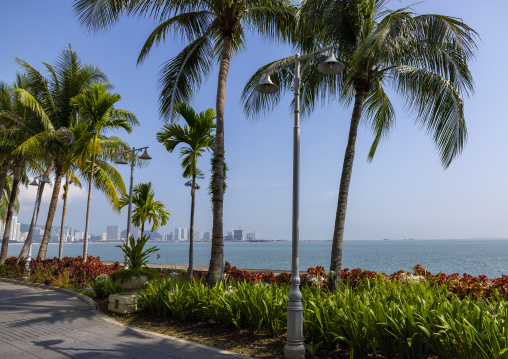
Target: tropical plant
<point>95,107</point>
<point>146,208</point>
<point>18,125</point>
<point>198,137</point>
<point>214,31</point>
<point>423,57</point>
<point>50,100</point>
<point>137,256</point>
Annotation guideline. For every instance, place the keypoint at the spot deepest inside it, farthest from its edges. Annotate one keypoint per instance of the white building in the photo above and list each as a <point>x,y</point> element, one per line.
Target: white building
<point>113,233</point>
<point>181,234</point>
<point>104,236</point>
<point>252,236</point>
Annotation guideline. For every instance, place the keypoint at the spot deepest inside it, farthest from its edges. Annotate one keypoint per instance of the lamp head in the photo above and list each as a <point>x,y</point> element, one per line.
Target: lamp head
<point>266,85</point>
<point>34,183</point>
<point>120,160</point>
<point>331,66</point>
<point>45,179</point>
<point>145,156</point>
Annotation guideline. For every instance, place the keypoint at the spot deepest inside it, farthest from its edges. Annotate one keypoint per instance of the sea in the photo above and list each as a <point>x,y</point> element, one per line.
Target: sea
<point>472,256</point>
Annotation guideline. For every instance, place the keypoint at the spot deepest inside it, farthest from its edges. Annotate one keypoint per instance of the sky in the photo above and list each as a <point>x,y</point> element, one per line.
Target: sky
<point>403,193</point>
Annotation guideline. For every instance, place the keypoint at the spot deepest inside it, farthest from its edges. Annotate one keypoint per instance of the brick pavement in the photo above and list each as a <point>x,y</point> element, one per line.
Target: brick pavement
<point>47,324</point>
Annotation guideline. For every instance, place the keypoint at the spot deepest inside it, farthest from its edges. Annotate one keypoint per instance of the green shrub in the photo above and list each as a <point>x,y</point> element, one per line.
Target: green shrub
<point>103,286</point>
<point>395,319</point>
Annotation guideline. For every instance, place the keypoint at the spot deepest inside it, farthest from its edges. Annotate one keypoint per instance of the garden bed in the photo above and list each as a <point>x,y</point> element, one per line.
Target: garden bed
<point>373,315</point>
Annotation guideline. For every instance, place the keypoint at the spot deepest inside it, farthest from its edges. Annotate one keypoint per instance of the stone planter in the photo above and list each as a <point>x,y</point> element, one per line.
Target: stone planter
<point>135,282</point>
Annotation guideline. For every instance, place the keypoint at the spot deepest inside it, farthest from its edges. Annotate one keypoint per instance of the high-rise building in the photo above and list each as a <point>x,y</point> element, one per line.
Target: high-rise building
<point>104,236</point>
<point>238,235</point>
<point>252,236</point>
<point>17,237</point>
<point>181,234</point>
<point>12,233</point>
<point>207,235</point>
<point>113,233</point>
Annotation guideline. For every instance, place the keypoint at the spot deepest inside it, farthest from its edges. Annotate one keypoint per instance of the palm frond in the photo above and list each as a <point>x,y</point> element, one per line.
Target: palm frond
<point>438,107</point>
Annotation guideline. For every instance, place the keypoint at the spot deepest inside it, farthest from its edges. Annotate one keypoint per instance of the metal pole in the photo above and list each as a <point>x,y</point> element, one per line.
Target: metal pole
<point>26,273</point>
<point>130,205</point>
<point>294,341</point>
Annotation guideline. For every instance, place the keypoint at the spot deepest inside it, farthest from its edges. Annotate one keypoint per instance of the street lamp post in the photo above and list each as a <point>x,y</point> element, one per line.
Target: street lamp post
<point>121,161</point>
<point>294,343</point>
<point>42,179</point>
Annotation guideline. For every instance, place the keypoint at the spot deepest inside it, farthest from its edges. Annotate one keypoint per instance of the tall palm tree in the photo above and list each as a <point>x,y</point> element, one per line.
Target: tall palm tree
<point>422,57</point>
<point>146,208</point>
<point>198,136</point>
<point>95,107</point>
<point>18,124</point>
<point>51,102</point>
<point>214,31</point>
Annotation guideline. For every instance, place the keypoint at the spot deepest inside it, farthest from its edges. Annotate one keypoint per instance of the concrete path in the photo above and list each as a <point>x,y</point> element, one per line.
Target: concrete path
<point>41,323</point>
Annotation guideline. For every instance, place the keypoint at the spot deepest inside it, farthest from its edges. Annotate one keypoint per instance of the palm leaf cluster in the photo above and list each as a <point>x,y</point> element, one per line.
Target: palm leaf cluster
<point>59,123</point>
<point>422,58</point>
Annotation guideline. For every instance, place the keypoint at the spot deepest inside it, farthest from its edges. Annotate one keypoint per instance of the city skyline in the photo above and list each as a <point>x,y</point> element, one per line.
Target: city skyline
<point>403,193</point>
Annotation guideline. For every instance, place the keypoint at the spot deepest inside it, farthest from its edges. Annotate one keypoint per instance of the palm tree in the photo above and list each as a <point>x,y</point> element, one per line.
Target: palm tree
<point>96,109</point>
<point>214,31</point>
<point>18,125</point>
<point>146,208</point>
<point>423,57</point>
<point>198,136</point>
<point>51,102</point>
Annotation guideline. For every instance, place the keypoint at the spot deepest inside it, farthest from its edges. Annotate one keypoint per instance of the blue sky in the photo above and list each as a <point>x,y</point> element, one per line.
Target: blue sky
<point>403,193</point>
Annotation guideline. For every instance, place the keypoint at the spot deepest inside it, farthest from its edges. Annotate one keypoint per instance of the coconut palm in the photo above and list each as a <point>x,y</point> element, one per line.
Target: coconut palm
<point>96,109</point>
<point>146,208</point>
<point>50,100</point>
<point>18,124</point>
<point>214,30</point>
<point>198,137</point>
<point>422,57</point>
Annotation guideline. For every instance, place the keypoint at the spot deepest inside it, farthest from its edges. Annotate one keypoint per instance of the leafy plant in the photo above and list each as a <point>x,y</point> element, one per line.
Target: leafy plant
<point>137,256</point>
<point>103,286</point>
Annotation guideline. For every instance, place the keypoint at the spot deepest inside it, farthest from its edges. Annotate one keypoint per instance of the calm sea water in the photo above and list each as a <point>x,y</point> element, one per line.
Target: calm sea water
<point>475,257</point>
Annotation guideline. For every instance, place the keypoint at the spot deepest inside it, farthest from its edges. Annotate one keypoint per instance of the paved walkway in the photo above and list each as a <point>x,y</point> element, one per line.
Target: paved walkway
<point>41,323</point>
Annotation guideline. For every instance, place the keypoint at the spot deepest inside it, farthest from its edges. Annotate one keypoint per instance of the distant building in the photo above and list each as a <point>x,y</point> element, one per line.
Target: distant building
<point>104,236</point>
<point>181,234</point>
<point>252,236</point>
<point>113,233</point>
<point>207,235</point>
<point>78,236</point>
<point>238,234</point>
<point>229,236</point>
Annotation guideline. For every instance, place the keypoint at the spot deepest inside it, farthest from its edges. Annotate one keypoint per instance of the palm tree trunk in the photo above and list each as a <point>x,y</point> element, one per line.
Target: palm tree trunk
<point>340,218</point>
<point>3,174</point>
<point>89,202</point>
<point>28,239</point>
<point>215,270</point>
<point>51,212</point>
<point>10,210</point>
<point>191,236</point>
<point>66,190</point>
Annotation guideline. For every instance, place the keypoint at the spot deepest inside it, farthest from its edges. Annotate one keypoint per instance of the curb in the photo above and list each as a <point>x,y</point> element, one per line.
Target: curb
<point>91,303</point>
